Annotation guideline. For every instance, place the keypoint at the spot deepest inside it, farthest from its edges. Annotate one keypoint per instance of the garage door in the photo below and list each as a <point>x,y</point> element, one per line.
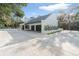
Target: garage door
<point>38,28</point>
<point>32,27</point>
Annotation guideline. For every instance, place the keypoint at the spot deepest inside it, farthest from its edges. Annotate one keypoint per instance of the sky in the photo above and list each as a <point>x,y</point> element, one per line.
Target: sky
<point>36,9</point>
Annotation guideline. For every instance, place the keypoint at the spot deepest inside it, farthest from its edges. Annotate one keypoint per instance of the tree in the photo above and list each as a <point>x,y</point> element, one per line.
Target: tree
<point>7,9</point>
<point>72,20</point>
<point>61,21</point>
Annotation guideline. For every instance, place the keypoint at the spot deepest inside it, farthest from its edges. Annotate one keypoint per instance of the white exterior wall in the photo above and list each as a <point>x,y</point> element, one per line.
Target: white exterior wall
<point>35,24</point>
<point>51,20</point>
<point>29,27</point>
<point>21,25</point>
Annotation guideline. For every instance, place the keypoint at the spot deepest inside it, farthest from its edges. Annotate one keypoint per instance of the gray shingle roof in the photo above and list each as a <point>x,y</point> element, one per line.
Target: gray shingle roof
<point>38,19</point>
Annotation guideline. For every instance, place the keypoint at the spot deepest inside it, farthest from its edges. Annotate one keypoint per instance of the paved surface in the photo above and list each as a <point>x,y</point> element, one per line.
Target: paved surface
<point>15,35</point>
<point>36,44</point>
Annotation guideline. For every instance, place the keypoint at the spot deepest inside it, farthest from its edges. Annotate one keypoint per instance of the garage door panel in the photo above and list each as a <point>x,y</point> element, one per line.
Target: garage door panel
<point>32,27</point>
<point>38,28</point>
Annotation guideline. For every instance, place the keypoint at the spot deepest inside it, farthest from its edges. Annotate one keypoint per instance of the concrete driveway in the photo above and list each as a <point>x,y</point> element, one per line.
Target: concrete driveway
<point>28,43</point>
<point>16,36</point>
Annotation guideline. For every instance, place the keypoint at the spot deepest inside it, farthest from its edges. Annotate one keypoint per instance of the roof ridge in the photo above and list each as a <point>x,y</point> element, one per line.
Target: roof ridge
<point>39,18</point>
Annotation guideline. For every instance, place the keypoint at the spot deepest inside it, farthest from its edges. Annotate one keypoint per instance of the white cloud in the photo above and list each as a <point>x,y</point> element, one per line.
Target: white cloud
<point>34,14</point>
<point>61,6</point>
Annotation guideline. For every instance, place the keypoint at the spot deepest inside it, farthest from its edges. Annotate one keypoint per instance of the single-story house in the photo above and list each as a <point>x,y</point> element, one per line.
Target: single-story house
<point>42,23</point>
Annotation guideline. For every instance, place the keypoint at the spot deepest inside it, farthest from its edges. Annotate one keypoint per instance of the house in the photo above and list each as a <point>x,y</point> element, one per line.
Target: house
<point>43,23</point>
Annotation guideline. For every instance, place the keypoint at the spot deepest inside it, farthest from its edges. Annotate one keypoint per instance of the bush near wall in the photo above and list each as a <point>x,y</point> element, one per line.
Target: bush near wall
<point>74,25</point>
<point>48,27</point>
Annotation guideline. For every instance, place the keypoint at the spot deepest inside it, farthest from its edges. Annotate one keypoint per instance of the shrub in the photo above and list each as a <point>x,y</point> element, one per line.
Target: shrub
<point>47,27</point>
<point>74,25</point>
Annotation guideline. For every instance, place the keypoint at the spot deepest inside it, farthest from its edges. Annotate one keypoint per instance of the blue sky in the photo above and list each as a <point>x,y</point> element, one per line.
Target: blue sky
<point>33,10</point>
<point>36,9</point>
